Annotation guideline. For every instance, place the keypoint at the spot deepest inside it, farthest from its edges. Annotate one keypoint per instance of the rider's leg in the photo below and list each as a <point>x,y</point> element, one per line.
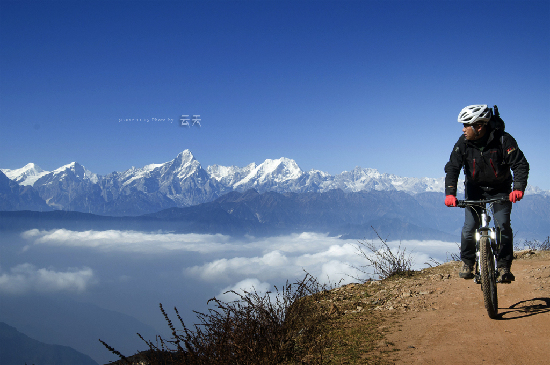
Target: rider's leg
<point>471,223</point>
<point>467,240</point>
<point>505,236</point>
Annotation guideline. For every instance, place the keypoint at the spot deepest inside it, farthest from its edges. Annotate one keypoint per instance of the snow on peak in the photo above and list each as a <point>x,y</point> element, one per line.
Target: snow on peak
<point>70,166</point>
<point>33,167</point>
<point>286,167</point>
<point>27,175</point>
<point>229,175</point>
<point>78,170</point>
<point>183,165</point>
<point>185,155</point>
<point>277,171</point>
<point>150,167</point>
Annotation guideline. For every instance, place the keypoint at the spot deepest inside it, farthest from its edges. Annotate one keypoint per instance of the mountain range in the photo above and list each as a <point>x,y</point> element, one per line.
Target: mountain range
<point>346,214</point>
<point>183,182</point>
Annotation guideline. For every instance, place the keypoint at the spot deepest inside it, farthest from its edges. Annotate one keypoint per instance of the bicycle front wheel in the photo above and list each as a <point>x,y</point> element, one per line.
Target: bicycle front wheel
<point>488,277</point>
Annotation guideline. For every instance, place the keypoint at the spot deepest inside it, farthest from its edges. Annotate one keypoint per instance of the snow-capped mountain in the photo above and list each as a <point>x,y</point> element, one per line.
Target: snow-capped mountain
<point>184,182</point>
<point>63,187</point>
<point>27,175</point>
<point>284,175</point>
<point>14,196</point>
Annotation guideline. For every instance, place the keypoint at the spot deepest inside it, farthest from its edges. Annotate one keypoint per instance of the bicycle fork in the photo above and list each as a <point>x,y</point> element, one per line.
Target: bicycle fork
<point>484,230</point>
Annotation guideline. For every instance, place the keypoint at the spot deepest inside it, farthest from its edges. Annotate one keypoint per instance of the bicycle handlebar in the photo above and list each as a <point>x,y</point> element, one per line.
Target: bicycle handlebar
<point>482,202</point>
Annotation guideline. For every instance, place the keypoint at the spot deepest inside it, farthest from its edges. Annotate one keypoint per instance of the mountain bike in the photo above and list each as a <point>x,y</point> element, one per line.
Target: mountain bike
<point>487,248</point>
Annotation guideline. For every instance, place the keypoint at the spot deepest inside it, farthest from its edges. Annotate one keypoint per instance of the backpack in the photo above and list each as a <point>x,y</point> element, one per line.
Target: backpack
<point>496,121</point>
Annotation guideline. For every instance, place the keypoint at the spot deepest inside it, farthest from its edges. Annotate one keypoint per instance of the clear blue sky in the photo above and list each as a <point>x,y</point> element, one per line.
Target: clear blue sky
<point>330,84</point>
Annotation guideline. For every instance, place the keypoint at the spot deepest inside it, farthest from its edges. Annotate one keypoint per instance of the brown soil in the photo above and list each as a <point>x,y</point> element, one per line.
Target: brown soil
<point>439,318</point>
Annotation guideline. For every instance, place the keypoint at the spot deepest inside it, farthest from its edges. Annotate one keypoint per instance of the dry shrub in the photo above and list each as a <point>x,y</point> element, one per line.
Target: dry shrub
<point>284,327</point>
<point>535,245</point>
<point>381,258</point>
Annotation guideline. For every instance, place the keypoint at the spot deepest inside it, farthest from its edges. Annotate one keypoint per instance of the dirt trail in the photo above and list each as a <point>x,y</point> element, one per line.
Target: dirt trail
<point>449,324</point>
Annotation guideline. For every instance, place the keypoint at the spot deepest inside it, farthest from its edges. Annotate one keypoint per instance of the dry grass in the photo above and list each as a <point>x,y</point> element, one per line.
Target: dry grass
<point>285,327</point>
<point>384,262</point>
<point>534,245</point>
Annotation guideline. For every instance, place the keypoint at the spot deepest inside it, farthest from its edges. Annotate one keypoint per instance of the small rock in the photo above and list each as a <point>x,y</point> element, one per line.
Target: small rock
<point>333,309</point>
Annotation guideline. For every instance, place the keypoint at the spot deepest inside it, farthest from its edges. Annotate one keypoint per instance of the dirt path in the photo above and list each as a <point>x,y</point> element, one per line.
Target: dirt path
<point>449,324</point>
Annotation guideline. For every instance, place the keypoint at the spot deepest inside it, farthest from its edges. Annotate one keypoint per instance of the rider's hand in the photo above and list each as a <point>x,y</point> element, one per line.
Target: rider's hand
<point>451,201</point>
<point>516,196</point>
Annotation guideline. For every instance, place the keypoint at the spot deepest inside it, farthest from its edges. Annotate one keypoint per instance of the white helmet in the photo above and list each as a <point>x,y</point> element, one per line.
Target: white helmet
<point>475,113</point>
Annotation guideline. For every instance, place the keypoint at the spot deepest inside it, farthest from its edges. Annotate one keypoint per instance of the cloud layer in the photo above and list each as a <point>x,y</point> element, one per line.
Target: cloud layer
<point>130,241</point>
<point>27,277</point>
<point>270,259</point>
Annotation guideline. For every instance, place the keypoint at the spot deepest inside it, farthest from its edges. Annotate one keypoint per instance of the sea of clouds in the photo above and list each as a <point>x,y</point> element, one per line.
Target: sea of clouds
<point>218,261</point>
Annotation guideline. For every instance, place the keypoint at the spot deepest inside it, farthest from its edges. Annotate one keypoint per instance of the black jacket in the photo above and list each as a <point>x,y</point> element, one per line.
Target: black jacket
<point>488,169</point>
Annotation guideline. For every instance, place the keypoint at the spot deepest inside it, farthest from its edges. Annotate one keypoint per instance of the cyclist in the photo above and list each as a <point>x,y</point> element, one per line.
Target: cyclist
<point>487,154</point>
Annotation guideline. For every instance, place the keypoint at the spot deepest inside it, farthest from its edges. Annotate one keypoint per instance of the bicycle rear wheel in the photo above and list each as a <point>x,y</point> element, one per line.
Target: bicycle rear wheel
<point>488,277</point>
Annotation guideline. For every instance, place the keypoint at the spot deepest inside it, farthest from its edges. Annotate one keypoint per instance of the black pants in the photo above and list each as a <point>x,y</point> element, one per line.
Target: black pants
<point>504,234</point>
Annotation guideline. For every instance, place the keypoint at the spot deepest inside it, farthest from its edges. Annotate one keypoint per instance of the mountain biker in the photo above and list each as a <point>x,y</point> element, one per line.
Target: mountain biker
<point>487,154</point>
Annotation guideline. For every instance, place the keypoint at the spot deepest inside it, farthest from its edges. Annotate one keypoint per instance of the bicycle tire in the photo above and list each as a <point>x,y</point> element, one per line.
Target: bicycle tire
<point>488,277</point>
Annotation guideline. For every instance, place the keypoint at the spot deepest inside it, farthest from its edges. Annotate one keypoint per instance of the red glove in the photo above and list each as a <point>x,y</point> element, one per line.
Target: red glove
<point>516,196</point>
<point>451,201</point>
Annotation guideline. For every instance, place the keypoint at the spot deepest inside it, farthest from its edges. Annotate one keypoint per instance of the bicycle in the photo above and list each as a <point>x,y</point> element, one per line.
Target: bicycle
<point>487,248</point>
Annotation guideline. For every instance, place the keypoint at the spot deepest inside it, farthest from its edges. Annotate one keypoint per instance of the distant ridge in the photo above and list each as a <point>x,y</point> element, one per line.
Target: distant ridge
<point>17,348</point>
<point>338,213</point>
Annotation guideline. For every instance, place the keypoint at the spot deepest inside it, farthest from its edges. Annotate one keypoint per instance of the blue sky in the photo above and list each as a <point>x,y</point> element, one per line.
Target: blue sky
<point>330,84</point>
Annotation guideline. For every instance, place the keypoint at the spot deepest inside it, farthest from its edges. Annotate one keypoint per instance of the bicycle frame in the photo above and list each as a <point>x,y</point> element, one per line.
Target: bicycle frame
<point>484,229</point>
<point>486,253</point>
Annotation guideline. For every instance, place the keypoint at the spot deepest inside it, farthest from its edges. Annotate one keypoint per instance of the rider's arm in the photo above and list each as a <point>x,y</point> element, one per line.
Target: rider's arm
<point>514,158</point>
<point>453,167</point>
